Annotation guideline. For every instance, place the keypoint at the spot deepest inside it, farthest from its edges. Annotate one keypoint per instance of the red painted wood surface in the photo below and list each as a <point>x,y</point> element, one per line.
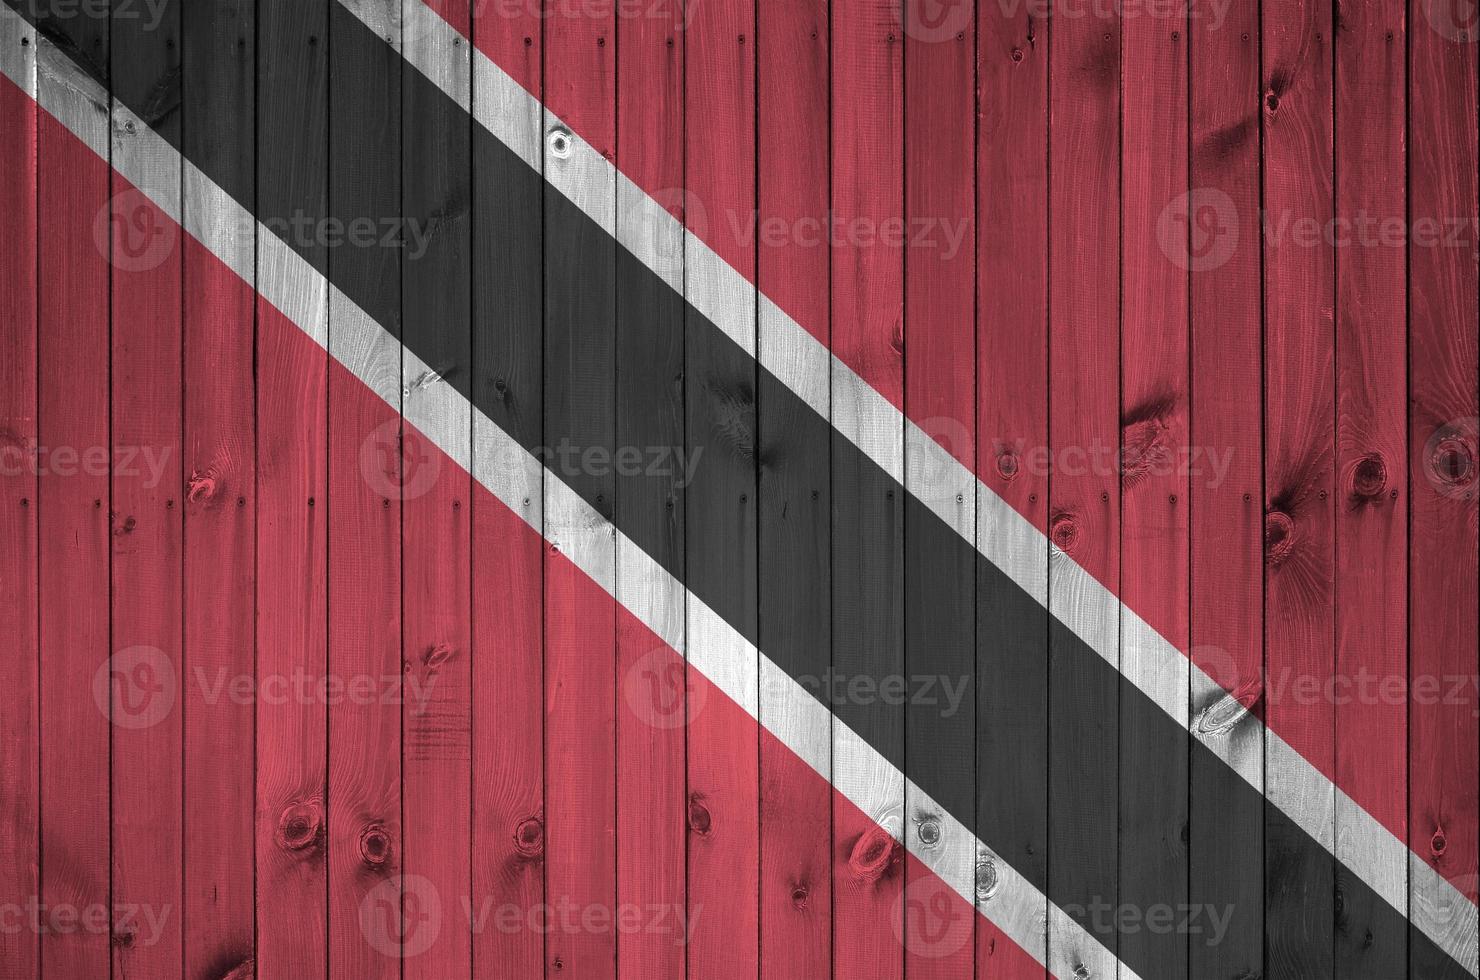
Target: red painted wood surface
<point>1012,419</point>
<point>651,706</point>
<point>1348,589</point>
<point>1371,520</point>
<point>1444,305</point>
<point>940,387</point>
<point>723,752</point>
<point>508,822</point>
<point>793,166</point>
<point>1154,443</point>
<point>1084,411</point>
<point>1299,453</point>
<point>436,538</point>
<point>1212,229</point>
<point>580,619</point>
<point>292,634</point>
<point>867,186</point>
<point>147,585</point>
<point>20,742</point>
<point>72,415</point>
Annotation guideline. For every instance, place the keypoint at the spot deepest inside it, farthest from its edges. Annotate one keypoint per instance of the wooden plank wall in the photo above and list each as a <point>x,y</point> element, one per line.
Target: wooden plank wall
<point>1177,246</point>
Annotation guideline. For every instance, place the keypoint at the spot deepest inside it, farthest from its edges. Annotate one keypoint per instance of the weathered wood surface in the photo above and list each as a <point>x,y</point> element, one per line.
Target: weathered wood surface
<point>1003,346</point>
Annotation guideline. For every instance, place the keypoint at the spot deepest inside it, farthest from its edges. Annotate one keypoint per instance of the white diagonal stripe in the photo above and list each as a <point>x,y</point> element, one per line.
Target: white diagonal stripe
<point>874,425</point>
<point>303,293</point>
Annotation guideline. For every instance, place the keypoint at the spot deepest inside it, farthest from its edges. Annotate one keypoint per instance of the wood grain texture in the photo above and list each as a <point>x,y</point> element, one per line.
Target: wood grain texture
<point>654,698</point>
<point>72,536</point>
<point>1084,492</point>
<point>219,467</point>
<point>508,582</point>
<point>292,484</point>
<point>580,399</point>
<point>1444,304</point>
<point>146,527</point>
<point>1371,765</point>
<point>939,330</point>
<point>370,476</point>
<point>1118,298</point>
<point>437,725</point>
<point>867,136</point>
<point>1300,484</point>
<point>1012,430</point>
<point>721,510</point>
<point>1216,229</point>
<point>1155,472</point>
<point>20,744</point>
<point>795,546</point>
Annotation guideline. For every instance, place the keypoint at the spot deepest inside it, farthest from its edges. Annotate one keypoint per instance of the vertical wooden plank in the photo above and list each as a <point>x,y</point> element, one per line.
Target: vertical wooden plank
<point>372,471</point>
<point>580,399</point>
<point>1371,543</point>
<point>508,587</point>
<point>20,811</point>
<point>1012,432</point>
<point>1084,494</point>
<point>793,152</point>
<point>146,527</point>
<point>720,395</point>
<point>78,689</point>
<point>653,695</point>
<point>1299,420</point>
<point>436,186</point>
<point>1444,304</point>
<point>1214,231</point>
<point>867,136</point>
<point>1155,466</point>
<point>218,58</point>
<point>937,928</point>
<point>292,488</point>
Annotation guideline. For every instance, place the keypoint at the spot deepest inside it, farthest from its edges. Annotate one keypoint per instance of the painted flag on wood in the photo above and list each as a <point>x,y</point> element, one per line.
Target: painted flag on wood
<point>736,489</point>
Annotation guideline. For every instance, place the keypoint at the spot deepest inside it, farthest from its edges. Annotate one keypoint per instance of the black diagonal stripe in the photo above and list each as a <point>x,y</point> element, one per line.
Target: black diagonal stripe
<point>880,548</point>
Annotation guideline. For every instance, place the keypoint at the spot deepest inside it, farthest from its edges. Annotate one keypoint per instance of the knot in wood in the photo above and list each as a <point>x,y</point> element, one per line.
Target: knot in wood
<point>1063,531</point>
<point>1449,459</point>
<point>928,831</point>
<point>437,655</point>
<point>375,846</point>
<point>529,838</point>
<point>301,826</point>
<point>872,854</point>
<point>986,879</point>
<point>201,488</point>
<point>1366,478</point>
<point>1279,536</point>
<point>699,817</point>
<point>1007,465</point>
<point>1223,715</point>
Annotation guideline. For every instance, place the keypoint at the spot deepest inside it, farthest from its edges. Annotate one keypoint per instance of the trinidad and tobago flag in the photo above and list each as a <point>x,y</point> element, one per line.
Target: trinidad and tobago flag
<point>739,489</point>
